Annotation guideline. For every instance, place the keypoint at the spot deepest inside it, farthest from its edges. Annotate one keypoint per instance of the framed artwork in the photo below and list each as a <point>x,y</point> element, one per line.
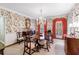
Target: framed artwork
<point>27,23</point>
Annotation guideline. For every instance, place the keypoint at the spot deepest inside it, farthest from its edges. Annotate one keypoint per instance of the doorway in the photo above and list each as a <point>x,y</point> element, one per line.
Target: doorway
<point>59,27</point>
<point>2,29</point>
<point>59,30</point>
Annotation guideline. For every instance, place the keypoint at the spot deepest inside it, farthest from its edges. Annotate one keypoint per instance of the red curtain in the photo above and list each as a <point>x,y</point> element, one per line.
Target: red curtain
<point>45,27</point>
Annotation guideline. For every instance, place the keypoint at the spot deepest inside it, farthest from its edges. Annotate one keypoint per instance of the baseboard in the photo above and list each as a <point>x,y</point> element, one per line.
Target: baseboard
<point>12,44</point>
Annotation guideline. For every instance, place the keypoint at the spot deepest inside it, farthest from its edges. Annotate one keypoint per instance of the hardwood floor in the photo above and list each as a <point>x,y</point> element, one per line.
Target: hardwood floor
<point>57,48</point>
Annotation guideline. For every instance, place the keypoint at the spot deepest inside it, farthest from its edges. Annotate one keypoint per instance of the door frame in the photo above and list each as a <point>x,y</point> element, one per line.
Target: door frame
<point>64,21</point>
<point>3,31</point>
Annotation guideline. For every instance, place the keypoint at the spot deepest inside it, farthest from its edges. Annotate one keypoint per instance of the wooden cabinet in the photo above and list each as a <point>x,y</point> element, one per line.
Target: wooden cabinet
<point>71,46</point>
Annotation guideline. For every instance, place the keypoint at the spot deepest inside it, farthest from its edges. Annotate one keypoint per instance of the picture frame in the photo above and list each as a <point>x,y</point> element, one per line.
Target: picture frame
<point>27,23</point>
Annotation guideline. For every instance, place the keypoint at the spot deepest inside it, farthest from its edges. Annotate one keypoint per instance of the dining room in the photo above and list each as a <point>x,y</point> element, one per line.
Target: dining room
<point>38,28</point>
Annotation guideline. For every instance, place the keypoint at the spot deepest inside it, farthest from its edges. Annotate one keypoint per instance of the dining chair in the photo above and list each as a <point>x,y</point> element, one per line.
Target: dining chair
<point>20,38</point>
<point>29,45</point>
<point>44,42</point>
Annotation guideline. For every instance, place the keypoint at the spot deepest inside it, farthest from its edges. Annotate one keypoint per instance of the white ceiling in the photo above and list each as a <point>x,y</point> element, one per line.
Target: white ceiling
<point>33,9</point>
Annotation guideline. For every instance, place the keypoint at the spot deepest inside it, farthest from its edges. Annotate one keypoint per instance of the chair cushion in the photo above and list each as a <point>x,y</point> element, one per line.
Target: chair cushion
<point>20,38</point>
<point>42,42</point>
<point>32,45</point>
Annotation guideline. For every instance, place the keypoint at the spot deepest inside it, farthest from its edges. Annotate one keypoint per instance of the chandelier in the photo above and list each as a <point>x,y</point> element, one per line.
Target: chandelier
<point>41,19</point>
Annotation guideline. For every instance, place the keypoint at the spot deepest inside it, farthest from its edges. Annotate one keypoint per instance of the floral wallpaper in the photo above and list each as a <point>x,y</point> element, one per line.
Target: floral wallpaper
<point>73,13</point>
<point>13,21</point>
<point>72,17</point>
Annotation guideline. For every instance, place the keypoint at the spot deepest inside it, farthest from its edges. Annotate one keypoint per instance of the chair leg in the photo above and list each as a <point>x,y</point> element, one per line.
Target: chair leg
<point>48,49</point>
<point>29,51</point>
<point>24,51</point>
<point>51,41</point>
<point>18,41</point>
<point>47,46</point>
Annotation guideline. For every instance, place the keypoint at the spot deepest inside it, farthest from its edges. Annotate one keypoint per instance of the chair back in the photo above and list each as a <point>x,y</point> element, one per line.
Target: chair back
<point>23,33</point>
<point>19,34</point>
<point>47,37</point>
